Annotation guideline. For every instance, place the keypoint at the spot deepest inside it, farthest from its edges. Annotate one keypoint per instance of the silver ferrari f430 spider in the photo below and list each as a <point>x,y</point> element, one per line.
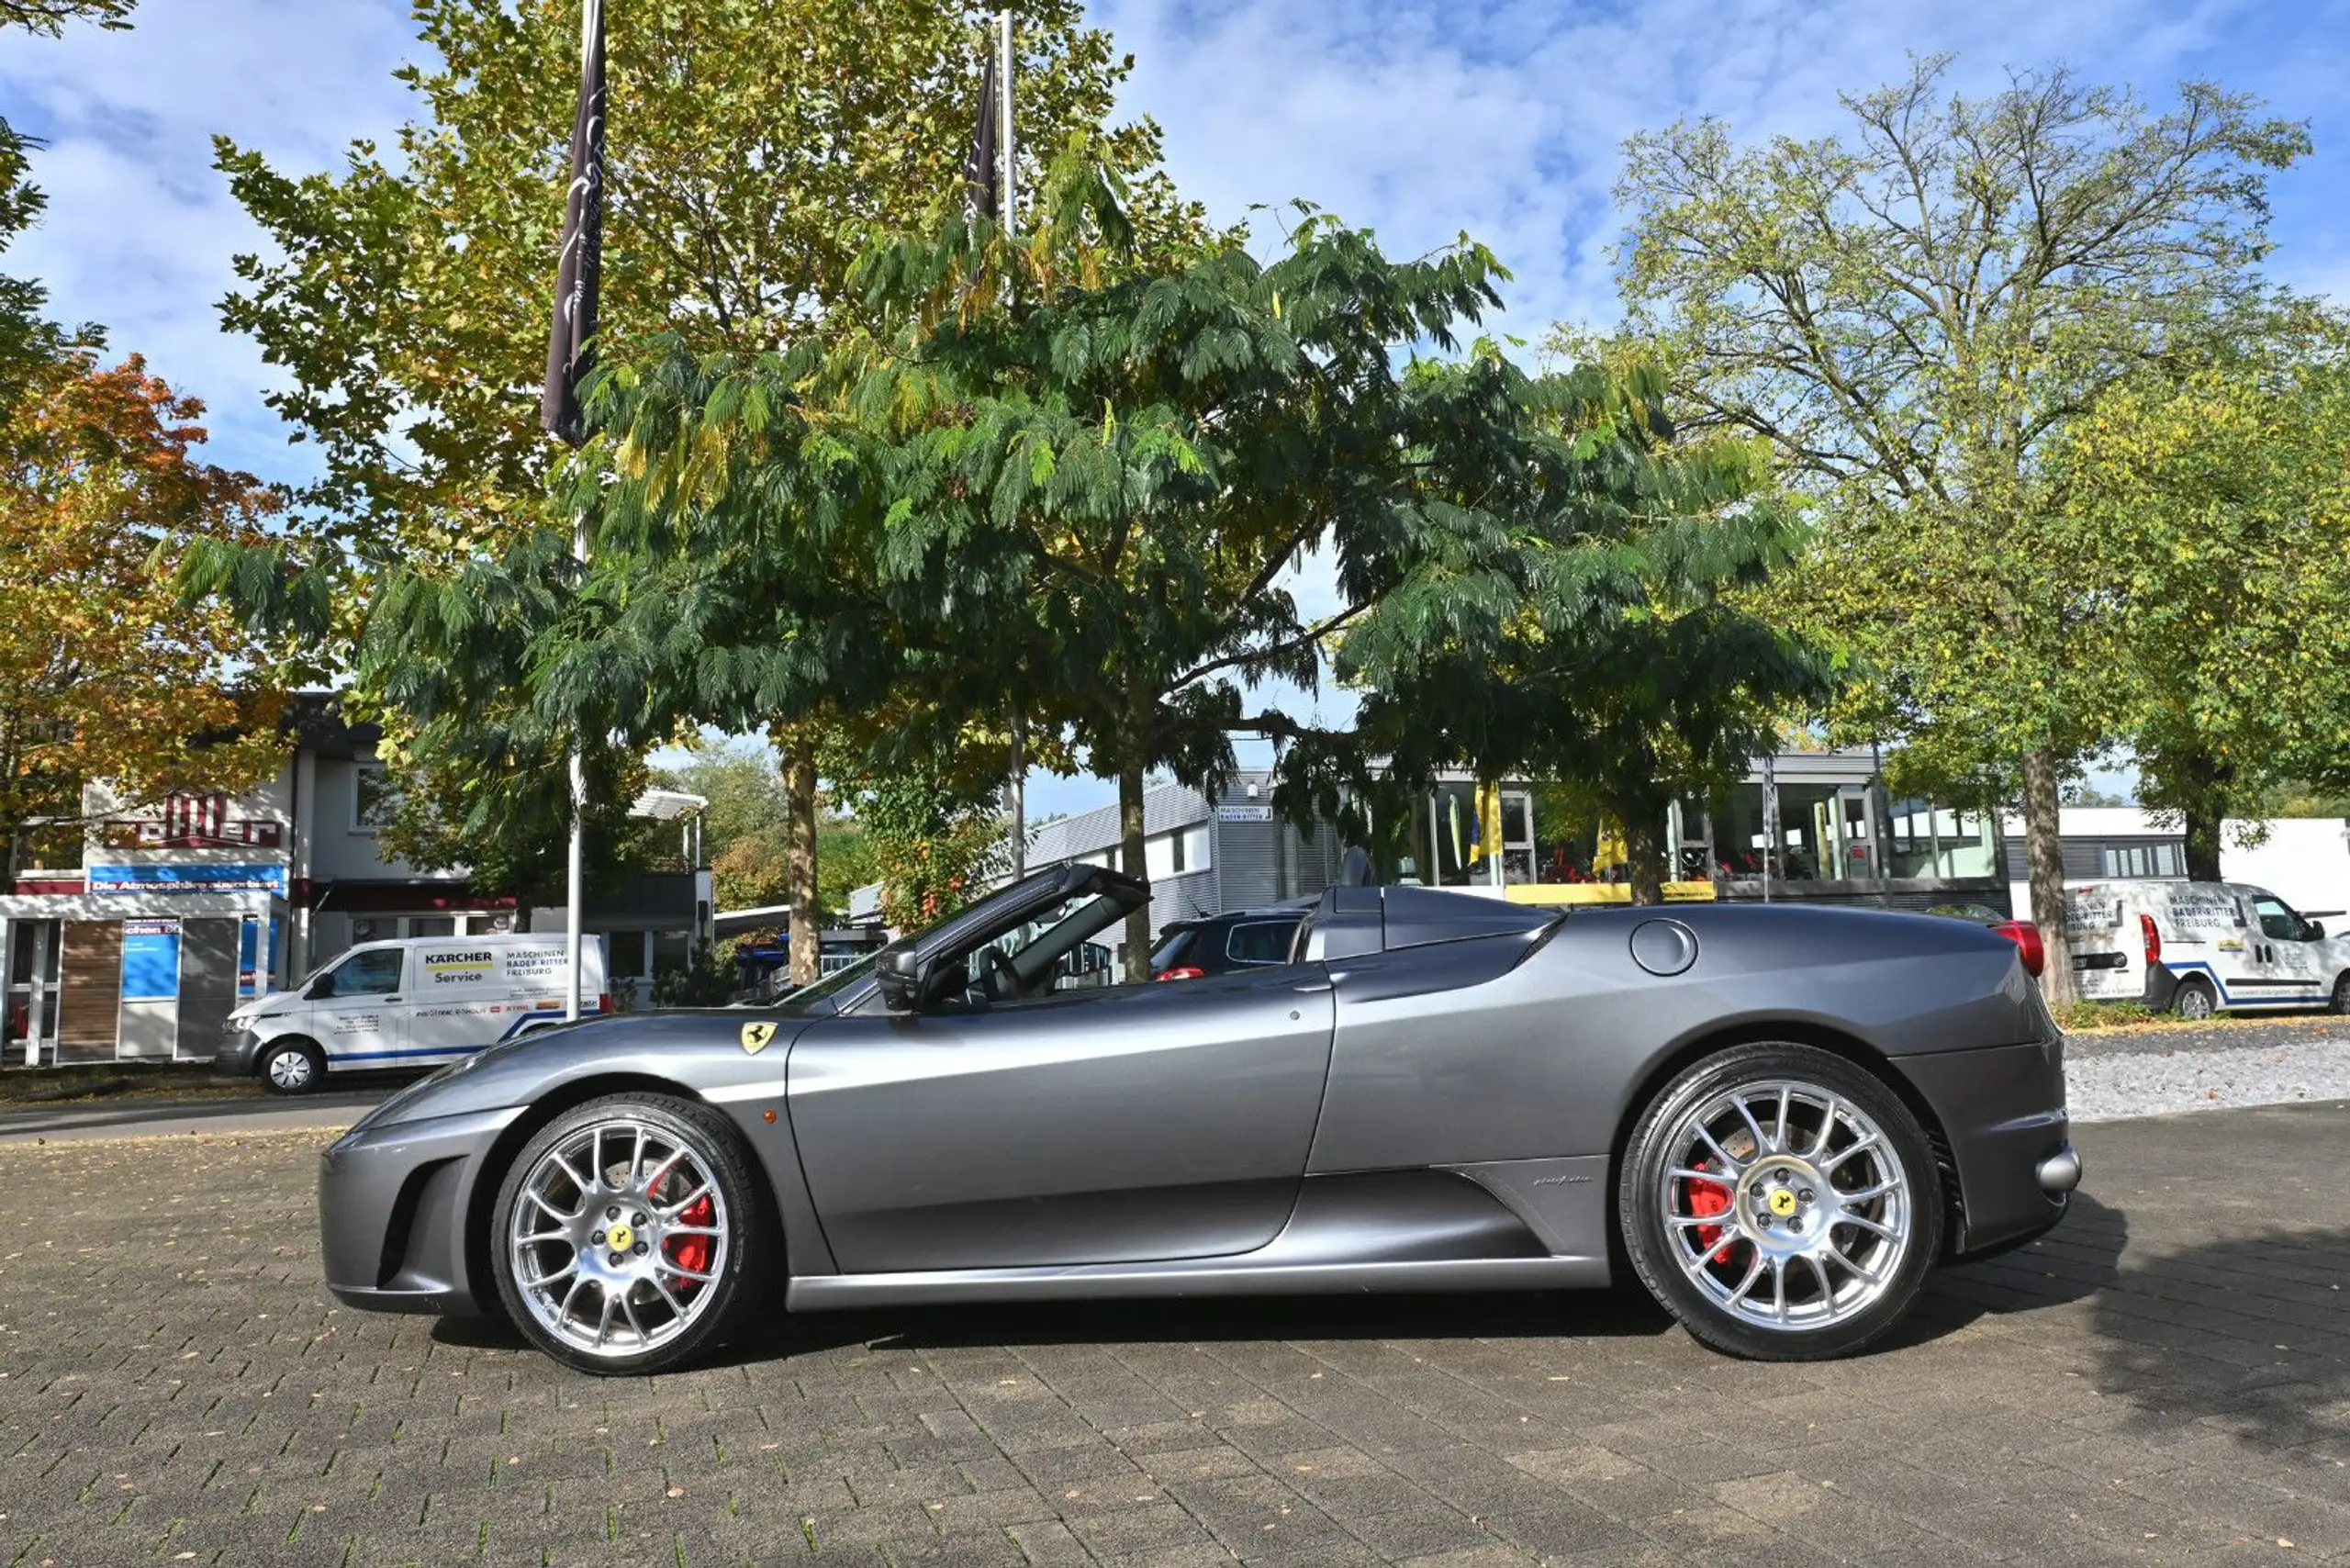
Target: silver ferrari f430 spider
<point>1777,1118</point>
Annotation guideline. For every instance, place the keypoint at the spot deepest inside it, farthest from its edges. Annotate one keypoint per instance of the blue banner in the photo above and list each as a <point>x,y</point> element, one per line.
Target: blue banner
<point>188,877</point>
<point>150,960</point>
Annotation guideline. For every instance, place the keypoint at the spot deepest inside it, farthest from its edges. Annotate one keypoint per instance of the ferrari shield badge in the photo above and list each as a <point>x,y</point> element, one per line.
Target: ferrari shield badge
<point>756,1037</point>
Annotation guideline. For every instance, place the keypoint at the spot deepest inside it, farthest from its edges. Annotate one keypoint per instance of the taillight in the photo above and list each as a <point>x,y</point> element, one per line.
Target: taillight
<point>603,1002</point>
<point>2153,939</point>
<point>2026,937</point>
<point>1186,972</point>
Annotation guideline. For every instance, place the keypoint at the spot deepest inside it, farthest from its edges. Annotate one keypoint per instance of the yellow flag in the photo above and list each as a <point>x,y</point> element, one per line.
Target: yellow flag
<point>1488,840</point>
<point>1610,852</point>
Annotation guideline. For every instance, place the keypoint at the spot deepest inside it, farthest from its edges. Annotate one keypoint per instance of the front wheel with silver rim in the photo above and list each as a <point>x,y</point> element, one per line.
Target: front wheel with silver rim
<point>1781,1202</point>
<point>625,1231</point>
<point>293,1066</point>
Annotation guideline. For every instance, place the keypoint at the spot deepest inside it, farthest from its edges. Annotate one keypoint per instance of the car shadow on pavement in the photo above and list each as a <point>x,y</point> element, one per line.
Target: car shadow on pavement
<point>2249,1336</point>
<point>1611,1314</point>
<point>2072,1262</point>
<point>2080,1257</point>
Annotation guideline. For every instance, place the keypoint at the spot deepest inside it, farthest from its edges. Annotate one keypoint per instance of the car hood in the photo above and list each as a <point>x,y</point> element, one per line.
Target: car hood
<point>698,1048</point>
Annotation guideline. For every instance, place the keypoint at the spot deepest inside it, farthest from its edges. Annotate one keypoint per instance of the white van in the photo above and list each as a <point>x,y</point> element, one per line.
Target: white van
<point>407,1003</point>
<point>2196,947</point>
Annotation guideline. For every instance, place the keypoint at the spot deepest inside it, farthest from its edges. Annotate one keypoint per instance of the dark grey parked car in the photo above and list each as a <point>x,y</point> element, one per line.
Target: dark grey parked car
<point>1219,944</point>
<point>1781,1117</point>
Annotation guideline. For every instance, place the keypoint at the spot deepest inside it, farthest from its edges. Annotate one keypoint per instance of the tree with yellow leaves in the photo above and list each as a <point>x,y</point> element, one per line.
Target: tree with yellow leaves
<point>103,674</point>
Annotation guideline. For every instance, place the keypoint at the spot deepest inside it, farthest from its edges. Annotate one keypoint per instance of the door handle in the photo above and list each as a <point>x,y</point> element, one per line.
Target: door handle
<point>1311,986</point>
<point>391,999</point>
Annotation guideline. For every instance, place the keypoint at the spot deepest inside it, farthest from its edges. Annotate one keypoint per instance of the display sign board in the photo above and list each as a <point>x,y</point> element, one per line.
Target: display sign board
<point>1243,813</point>
<point>150,960</point>
<point>188,877</point>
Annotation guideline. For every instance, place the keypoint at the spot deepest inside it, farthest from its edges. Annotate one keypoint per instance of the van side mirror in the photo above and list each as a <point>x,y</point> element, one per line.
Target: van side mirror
<point>2313,931</point>
<point>900,977</point>
<point>320,989</point>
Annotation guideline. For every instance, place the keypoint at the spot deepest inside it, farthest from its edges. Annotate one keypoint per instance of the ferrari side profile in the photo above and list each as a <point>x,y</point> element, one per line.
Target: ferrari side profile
<point>1779,1119</point>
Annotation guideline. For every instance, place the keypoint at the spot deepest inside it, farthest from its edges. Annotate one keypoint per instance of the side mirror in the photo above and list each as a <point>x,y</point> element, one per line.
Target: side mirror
<point>899,977</point>
<point>318,988</point>
<point>2313,931</point>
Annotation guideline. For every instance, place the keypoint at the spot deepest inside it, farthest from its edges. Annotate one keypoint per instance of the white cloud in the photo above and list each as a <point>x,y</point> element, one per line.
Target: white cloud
<point>139,229</point>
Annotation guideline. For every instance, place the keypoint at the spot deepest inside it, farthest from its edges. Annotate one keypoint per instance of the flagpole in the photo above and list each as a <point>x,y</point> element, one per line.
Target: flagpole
<point>1011,216</point>
<point>1004,117</point>
<point>570,345</point>
<point>575,900</point>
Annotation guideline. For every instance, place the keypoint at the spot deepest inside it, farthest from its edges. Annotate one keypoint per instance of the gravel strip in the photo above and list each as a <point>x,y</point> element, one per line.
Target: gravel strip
<point>2105,1086</point>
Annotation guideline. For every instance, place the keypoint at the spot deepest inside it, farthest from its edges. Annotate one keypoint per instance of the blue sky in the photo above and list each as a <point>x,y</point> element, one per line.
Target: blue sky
<point>1421,118</point>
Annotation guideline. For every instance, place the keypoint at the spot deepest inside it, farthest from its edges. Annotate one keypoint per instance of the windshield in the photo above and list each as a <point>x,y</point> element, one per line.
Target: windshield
<point>840,980</point>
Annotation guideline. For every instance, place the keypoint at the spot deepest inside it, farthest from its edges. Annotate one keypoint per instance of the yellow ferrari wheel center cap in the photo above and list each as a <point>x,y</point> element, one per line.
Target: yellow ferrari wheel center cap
<point>620,1236</point>
<point>1782,1203</point>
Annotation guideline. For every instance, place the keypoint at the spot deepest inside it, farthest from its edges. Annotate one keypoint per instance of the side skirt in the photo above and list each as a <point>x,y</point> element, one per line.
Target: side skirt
<point>1213,1277</point>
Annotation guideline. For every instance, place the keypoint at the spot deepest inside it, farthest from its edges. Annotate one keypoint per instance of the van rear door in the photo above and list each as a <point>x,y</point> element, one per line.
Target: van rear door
<point>2108,963</point>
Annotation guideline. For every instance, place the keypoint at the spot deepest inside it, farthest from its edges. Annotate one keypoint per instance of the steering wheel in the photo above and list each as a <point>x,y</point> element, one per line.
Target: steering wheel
<point>999,980</point>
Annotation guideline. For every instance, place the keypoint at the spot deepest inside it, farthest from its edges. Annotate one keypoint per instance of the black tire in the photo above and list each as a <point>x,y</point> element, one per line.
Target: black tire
<point>749,1256</point>
<point>291,1064</point>
<point>2194,1000</point>
<point>2341,1001</point>
<point>1655,1242</point>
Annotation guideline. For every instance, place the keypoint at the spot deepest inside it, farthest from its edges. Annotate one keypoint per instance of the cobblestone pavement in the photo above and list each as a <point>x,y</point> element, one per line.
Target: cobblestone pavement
<point>2166,1378</point>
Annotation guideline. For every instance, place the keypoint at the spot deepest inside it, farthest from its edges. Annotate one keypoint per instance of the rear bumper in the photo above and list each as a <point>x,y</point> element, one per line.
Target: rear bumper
<point>2007,1136</point>
<point>392,1208</point>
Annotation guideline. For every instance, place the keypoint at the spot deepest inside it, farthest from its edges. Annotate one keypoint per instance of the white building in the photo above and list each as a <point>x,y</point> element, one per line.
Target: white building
<point>180,910</point>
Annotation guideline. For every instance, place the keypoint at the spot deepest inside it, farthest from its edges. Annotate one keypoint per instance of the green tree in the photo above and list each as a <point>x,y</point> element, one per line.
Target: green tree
<point>1912,316</point>
<point>1117,456</point>
<point>754,148</point>
<point>1611,651</point>
<point>2209,498</point>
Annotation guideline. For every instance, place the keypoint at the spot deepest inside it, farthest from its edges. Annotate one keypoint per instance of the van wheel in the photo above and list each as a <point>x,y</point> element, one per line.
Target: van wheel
<point>293,1066</point>
<point>2341,1002</point>
<point>2194,1001</point>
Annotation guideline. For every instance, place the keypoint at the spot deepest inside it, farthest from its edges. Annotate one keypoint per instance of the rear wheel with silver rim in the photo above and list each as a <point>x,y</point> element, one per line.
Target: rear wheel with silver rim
<point>2193,1001</point>
<point>293,1066</point>
<point>624,1230</point>
<point>1781,1202</point>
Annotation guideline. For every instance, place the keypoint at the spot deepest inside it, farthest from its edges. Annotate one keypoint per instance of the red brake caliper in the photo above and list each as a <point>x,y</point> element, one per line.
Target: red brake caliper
<point>693,1252</point>
<point>1709,1198</point>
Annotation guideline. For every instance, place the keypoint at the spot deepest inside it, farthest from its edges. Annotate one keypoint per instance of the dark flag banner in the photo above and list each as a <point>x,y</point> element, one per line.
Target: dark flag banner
<point>571,344</point>
<point>978,168</point>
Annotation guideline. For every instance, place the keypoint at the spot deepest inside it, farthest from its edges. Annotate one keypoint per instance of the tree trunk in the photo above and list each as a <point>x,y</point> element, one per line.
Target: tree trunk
<point>807,929</point>
<point>2206,808</point>
<point>1644,849</point>
<point>2045,857</point>
<point>1135,962</point>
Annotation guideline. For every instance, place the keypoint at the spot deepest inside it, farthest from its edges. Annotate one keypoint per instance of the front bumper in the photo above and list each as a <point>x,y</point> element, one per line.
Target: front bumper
<point>239,1051</point>
<point>392,1207</point>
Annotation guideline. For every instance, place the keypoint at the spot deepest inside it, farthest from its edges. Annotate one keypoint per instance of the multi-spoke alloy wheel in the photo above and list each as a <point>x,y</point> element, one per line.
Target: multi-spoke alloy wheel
<point>621,1229</point>
<point>1781,1202</point>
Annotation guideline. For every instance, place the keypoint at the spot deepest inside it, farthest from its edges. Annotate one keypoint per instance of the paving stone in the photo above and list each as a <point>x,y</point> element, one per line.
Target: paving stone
<point>2166,1377</point>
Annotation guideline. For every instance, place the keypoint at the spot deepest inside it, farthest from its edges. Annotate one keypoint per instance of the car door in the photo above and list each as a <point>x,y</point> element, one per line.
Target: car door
<point>2290,971</point>
<point>358,1009</point>
<point>1098,1124</point>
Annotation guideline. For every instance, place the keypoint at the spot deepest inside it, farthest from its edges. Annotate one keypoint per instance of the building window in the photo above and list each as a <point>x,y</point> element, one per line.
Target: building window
<point>373,799</point>
<point>2143,860</point>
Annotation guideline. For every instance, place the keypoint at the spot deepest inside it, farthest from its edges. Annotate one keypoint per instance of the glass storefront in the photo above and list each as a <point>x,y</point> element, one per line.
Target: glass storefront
<point>1820,829</point>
